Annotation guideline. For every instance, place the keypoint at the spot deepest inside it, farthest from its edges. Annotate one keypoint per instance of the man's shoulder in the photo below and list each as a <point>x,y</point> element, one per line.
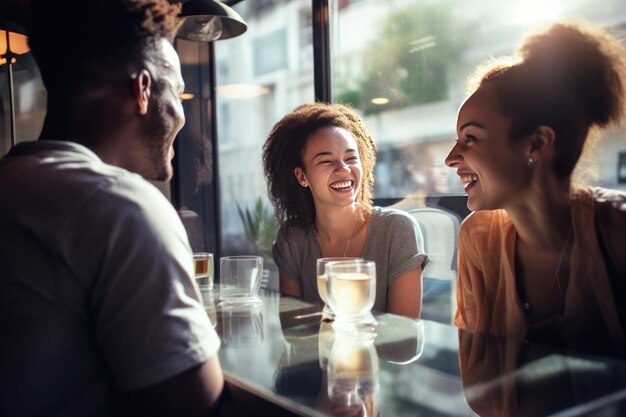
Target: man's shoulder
<point>81,169</point>
<point>64,164</point>
<point>82,181</point>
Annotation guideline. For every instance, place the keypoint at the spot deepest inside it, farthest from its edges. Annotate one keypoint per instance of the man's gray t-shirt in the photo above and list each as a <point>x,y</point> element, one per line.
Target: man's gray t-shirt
<point>96,284</point>
<point>394,241</point>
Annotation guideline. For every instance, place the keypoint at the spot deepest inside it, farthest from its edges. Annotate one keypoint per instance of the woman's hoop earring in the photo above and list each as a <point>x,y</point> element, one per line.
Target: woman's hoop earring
<point>531,162</point>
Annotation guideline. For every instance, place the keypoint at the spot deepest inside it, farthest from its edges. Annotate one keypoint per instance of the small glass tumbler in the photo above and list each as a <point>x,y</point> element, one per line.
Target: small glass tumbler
<point>240,279</point>
<point>203,267</point>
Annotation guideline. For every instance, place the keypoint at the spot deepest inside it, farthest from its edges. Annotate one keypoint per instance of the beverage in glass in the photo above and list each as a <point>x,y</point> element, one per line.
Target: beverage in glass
<point>351,291</point>
<point>321,282</point>
<point>203,270</point>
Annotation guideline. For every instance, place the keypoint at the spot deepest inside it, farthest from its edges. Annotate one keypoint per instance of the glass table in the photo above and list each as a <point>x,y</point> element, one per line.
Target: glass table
<point>280,353</point>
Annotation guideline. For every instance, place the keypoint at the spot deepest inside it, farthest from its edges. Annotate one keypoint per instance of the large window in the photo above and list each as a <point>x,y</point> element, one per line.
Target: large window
<point>404,63</point>
<point>261,76</point>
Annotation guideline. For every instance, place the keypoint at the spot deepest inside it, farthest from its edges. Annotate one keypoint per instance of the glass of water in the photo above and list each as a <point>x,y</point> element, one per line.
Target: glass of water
<point>351,292</point>
<point>321,283</point>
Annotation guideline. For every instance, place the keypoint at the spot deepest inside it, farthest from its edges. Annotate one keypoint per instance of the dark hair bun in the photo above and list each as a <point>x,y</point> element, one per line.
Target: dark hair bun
<point>588,60</point>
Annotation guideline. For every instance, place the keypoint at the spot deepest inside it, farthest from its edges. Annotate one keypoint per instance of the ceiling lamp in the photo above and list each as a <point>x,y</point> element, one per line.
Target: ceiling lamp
<point>209,20</point>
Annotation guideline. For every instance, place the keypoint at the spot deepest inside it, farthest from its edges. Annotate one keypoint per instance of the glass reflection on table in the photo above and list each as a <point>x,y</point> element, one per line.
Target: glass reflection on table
<point>352,373</point>
<point>240,325</point>
<point>208,302</point>
<point>325,339</point>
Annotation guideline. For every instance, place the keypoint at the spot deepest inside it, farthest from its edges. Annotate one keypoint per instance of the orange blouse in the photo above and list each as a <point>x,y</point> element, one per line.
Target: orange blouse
<point>487,295</point>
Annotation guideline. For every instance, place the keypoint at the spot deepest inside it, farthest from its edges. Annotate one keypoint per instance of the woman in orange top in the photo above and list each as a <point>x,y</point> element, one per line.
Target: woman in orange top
<point>538,258</point>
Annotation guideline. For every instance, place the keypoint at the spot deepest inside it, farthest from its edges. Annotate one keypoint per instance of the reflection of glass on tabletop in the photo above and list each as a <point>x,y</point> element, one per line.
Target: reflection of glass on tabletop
<point>399,339</point>
<point>240,325</point>
<point>352,372</point>
<point>326,336</point>
<point>208,299</point>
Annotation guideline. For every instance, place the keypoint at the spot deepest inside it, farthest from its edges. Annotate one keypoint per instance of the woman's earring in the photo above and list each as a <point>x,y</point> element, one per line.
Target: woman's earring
<point>531,162</point>
<point>304,184</point>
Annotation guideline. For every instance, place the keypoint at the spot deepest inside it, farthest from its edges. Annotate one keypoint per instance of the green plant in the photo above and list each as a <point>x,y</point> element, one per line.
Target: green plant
<point>260,226</point>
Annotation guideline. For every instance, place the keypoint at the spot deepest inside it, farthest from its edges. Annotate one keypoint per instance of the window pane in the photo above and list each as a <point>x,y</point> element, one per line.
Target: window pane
<point>404,65</point>
<point>260,76</point>
<point>193,186</point>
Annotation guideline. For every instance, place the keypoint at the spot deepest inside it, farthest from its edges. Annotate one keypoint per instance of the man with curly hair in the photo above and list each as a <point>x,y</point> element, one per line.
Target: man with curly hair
<point>98,309</point>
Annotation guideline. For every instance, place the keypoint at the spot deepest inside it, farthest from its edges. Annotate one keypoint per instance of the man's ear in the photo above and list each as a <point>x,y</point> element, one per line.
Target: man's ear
<point>541,142</point>
<point>142,82</point>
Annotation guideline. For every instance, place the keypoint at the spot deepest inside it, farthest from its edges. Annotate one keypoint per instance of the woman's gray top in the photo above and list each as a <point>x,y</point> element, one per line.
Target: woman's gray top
<point>394,241</point>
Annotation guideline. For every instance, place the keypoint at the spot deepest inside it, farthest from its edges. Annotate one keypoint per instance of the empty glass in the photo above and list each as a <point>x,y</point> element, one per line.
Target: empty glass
<point>351,292</point>
<point>321,283</point>
<point>240,279</point>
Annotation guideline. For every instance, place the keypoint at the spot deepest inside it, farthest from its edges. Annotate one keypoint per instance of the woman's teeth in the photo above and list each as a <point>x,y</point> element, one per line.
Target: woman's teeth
<point>341,185</point>
<point>467,179</point>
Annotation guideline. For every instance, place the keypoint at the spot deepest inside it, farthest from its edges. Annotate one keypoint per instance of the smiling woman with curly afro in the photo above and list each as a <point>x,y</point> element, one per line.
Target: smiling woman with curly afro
<point>319,166</point>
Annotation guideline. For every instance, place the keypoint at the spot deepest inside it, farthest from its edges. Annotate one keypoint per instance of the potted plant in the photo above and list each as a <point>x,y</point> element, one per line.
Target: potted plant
<point>260,227</point>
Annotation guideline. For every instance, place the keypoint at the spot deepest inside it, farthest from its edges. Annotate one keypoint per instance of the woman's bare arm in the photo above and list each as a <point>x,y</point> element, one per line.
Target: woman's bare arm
<point>405,294</point>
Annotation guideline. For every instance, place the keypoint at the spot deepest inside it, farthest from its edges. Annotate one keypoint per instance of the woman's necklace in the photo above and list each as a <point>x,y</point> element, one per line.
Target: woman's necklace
<point>345,252</point>
<point>350,236</point>
<point>558,269</point>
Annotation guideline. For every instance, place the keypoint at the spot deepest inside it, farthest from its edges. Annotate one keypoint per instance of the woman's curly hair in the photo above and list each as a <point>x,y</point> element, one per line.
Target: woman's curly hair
<point>285,146</point>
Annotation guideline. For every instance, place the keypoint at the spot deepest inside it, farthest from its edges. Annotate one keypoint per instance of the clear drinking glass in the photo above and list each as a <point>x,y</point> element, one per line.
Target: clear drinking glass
<point>351,292</point>
<point>203,270</point>
<point>321,282</point>
<point>240,279</point>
